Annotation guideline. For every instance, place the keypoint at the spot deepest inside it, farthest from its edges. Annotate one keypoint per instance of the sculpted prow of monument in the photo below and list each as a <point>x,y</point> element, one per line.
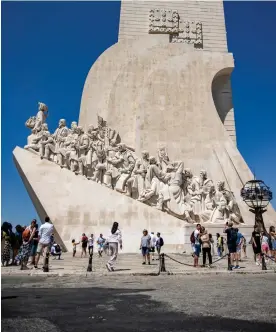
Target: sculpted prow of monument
<point>155,144</point>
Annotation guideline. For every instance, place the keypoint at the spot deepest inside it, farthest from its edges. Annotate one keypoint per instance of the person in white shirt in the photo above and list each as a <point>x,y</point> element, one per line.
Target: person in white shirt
<point>152,244</point>
<point>91,244</point>
<point>44,235</point>
<point>55,251</point>
<point>114,240</point>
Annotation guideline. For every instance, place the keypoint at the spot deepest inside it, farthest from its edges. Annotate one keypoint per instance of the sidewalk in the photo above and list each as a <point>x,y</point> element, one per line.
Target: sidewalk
<point>131,264</point>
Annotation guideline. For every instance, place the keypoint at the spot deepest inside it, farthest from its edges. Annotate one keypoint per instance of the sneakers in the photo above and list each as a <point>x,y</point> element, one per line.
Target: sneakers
<point>108,267</point>
<point>144,263</point>
<point>258,264</point>
<point>237,267</point>
<point>148,263</point>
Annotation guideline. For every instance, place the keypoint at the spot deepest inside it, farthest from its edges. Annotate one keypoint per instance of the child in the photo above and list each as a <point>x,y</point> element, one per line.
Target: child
<point>74,247</point>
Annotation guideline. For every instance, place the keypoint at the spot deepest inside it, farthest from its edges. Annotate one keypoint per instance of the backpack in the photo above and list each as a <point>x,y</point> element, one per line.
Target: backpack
<point>233,235</point>
<point>57,248</point>
<point>26,234</point>
<point>192,237</point>
<point>161,242</point>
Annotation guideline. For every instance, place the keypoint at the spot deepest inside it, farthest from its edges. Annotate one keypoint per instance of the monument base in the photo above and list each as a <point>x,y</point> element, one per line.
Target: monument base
<point>77,205</point>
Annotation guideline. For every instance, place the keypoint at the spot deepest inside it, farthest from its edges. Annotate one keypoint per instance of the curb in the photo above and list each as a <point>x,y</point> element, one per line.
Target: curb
<point>134,274</point>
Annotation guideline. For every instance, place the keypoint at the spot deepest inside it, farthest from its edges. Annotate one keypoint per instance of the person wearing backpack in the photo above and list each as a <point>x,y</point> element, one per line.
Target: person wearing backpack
<point>159,244</point>
<point>232,236</point>
<point>27,242</point>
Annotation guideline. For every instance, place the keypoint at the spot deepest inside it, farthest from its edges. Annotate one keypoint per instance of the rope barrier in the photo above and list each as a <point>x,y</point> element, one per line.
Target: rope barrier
<point>191,265</point>
<point>178,261</point>
<point>273,260</point>
<point>218,259</point>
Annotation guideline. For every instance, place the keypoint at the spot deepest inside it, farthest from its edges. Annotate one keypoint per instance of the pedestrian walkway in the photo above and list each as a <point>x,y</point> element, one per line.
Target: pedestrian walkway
<point>131,264</point>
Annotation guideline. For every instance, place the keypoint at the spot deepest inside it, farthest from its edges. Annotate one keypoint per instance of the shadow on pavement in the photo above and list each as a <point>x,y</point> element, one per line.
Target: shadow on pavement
<point>108,309</point>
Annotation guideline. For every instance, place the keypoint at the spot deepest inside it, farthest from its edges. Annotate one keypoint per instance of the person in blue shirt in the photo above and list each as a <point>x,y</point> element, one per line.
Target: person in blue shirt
<point>239,242</point>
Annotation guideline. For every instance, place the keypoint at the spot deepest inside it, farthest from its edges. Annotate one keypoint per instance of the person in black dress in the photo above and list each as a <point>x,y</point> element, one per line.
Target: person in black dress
<point>256,245</point>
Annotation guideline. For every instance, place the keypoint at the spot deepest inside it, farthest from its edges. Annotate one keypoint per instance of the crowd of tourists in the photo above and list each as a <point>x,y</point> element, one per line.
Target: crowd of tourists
<point>149,245</point>
<point>235,244</point>
<point>26,244</point>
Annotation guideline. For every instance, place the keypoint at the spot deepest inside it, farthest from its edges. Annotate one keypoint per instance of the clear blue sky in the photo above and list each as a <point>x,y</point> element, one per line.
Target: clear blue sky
<point>49,47</point>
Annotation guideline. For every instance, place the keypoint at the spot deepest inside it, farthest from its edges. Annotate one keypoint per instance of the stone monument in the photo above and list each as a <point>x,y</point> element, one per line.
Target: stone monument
<point>155,146</point>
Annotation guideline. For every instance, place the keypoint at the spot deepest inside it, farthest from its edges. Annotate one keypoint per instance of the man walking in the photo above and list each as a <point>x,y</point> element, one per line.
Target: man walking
<point>44,239</point>
<point>232,243</point>
<point>152,244</point>
<point>159,244</point>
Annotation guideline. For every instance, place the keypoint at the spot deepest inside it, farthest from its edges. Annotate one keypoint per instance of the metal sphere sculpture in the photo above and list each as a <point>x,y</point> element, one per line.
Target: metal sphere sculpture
<point>257,195</point>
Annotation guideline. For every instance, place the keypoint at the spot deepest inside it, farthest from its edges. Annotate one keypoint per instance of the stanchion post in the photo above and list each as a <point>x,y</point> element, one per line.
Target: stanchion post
<point>46,262</point>
<point>89,267</point>
<point>263,263</point>
<point>229,268</point>
<point>162,262</point>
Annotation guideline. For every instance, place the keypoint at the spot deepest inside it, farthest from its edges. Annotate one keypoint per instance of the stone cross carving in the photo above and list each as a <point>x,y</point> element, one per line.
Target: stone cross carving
<point>163,21</point>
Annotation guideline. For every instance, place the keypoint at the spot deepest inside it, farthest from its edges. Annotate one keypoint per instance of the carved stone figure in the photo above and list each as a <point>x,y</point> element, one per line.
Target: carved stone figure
<point>59,136</point>
<point>163,158</point>
<point>74,126</point>
<point>195,196</point>
<point>153,185</point>
<point>82,145</point>
<point>111,171</point>
<point>41,115</point>
<point>171,196</point>
<point>64,151</point>
<point>204,186</point>
<point>219,213</point>
<point>48,148</point>
<point>32,141</point>
<point>124,162</point>
<point>73,157</point>
<point>137,182</point>
<point>209,204</point>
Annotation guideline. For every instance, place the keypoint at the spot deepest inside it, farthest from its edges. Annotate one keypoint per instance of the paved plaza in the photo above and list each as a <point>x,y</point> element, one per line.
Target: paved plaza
<point>131,264</point>
<point>214,303</point>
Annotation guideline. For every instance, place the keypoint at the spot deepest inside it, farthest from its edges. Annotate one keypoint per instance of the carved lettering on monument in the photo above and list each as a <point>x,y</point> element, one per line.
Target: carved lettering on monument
<point>163,21</point>
<point>189,32</point>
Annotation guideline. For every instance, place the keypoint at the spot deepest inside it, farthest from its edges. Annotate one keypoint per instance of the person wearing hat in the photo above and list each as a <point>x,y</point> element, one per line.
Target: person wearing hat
<point>145,246</point>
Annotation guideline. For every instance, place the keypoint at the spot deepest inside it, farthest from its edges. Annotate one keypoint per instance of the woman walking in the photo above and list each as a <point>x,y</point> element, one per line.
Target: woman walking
<point>114,240</point>
<point>25,250</point>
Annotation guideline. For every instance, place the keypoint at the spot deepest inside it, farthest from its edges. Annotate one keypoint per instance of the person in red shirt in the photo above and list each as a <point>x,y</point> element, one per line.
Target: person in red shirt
<point>84,242</point>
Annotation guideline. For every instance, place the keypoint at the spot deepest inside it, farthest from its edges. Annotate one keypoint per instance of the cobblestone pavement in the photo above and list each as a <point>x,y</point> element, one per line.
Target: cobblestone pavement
<point>233,302</point>
<point>129,264</point>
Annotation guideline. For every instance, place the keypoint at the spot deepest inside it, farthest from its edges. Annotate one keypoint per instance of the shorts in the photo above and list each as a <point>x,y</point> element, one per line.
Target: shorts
<point>145,251</point>
<point>152,249</point>
<point>34,250</point>
<point>265,247</point>
<point>42,246</point>
<point>197,249</point>
<point>232,248</point>
<point>257,250</point>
